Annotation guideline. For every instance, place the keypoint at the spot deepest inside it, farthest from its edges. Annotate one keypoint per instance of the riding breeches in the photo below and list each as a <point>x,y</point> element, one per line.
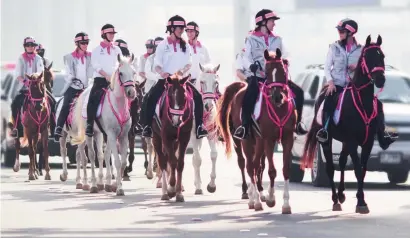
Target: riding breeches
<point>249,99</point>
<point>69,97</point>
<point>329,106</point>
<point>149,102</point>
<point>199,104</point>
<point>97,91</point>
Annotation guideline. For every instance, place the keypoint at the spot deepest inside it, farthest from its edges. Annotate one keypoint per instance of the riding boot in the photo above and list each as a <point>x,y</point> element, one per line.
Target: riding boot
<point>199,112</point>
<point>384,137</point>
<point>299,99</point>
<point>16,105</point>
<point>148,106</point>
<point>248,105</point>
<point>69,96</point>
<point>52,118</point>
<point>94,101</point>
<point>323,135</point>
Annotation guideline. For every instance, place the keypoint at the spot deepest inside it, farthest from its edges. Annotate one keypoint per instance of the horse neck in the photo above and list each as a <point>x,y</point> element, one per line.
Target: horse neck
<point>117,97</point>
<point>366,93</point>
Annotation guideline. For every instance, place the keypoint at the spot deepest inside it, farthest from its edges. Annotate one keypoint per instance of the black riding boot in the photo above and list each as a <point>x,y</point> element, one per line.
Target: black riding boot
<point>299,99</point>
<point>52,119</point>
<point>148,106</point>
<point>95,97</point>
<point>16,105</point>
<point>328,110</point>
<point>199,112</point>
<point>69,96</point>
<point>135,126</point>
<point>384,137</point>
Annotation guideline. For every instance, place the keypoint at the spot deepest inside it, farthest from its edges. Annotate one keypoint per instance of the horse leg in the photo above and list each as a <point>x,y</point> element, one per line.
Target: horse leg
<point>82,159</point>
<point>162,163</point>
<point>360,171</point>
<point>78,159</point>
<point>342,166</point>
<point>256,165</point>
<point>17,164</point>
<point>121,162</point>
<point>269,147</point>
<point>287,145</point>
<point>63,152</point>
<point>250,168</point>
<point>241,164</point>
<point>99,142</point>
<point>131,139</point>
<point>144,148</point>
<point>173,163</point>
<point>31,154</point>
<point>112,144</point>
<point>148,150</point>
<point>196,162</point>
<point>44,138</point>
<point>91,156</point>
<point>259,175</point>
<point>40,164</point>
<point>214,155</point>
<point>330,170</point>
<point>180,168</point>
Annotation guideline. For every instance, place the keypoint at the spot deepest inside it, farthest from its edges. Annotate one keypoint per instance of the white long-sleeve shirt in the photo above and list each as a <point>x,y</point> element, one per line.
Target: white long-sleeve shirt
<point>150,73</point>
<point>170,57</point>
<point>199,54</point>
<point>101,60</point>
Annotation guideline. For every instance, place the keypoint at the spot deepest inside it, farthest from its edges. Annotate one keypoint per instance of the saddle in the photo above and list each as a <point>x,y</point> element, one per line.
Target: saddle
<point>338,111</point>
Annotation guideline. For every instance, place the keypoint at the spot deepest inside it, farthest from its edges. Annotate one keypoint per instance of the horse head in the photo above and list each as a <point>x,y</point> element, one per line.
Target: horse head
<point>209,85</point>
<point>178,97</point>
<point>122,82</point>
<point>277,76</point>
<point>371,64</point>
<point>139,90</point>
<point>36,85</point>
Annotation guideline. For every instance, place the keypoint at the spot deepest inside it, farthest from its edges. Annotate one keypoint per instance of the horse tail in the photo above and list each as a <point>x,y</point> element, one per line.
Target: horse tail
<point>80,137</point>
<point>223,112</point>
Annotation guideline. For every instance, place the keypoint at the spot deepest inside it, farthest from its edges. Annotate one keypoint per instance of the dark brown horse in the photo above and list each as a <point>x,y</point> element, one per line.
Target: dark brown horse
<point>35,123</point>
<point>135,114</point>
<point>171,137</point>
<point>276,123</point>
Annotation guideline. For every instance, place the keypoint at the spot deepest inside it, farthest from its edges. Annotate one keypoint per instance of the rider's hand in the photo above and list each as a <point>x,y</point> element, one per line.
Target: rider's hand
<point>108,78</point>
<point>352,67</point>
<point>331,88</point>
<point>253,67</point>
<point>164,75</point>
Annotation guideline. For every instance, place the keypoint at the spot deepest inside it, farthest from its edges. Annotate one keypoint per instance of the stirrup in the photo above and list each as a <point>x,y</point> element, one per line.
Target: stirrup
<point>322,139</point>
<point>242,136</point>
<point>201,132</point>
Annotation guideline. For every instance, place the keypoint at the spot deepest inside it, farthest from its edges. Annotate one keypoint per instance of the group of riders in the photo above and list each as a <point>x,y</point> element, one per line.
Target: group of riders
<point>166,57</point>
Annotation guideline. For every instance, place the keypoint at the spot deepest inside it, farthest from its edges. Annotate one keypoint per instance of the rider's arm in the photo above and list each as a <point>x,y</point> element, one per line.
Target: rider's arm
<point>149,71</point>
<point>188,60</point>
<point>207,58</point>
<point>284,50</point>
<point>241,75</point>
<point>96,64</point>
<point>68,69</point>
<point>248,59</point>
<point>158,59</point>
<point>19,71</point>
<point>239,68</point>
<point>329,64</point>
<point>40,65</point>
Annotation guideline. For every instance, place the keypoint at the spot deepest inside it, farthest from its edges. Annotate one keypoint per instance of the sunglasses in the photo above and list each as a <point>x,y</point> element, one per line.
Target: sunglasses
<point>83,42</point>
<point>30,45</point>
<point>149,46</point>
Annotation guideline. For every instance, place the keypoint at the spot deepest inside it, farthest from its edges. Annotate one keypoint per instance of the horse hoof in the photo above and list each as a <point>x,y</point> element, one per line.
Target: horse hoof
<point>159,185</point>
<point>108,188</point>
<point>16,169</point>
<point>165,197</point>
<point>245,196</point>
<point>31,177</point>
<point>78,186</point>
<point>41,173</point>
<point>198,192</point>
<point>337,207</point>
<point>35,176</point>
<point>126,178</point>
<point>63,178</point>
<point>86,187</point>
<point>362,209</point>
<point>270,203</point>
<point>120,192</point>
<point>150,175</point>
<point>258,207</point>
<point>263,198</point>
<point>47,177</point>
<point>94,190</point>
<point>182,188</point>
<point>180,198</point>
<point>171,194</point>
<point>251,205</point>
<point>211,189</point>
<point>286,210</point>
<point>342,198</point>
<point>100,187</point>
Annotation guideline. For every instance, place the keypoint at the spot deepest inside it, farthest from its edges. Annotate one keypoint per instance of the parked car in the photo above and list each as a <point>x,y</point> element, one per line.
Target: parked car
<point>8,92</point>
<point>395,96</point>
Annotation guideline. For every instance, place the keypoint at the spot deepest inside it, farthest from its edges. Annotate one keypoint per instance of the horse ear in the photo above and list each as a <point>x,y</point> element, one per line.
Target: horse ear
<point>217,68</point>
<point>201,67</point>
<point>49,67</point>
<point>184,80</point>
<point>27,76</point>
<point>132,58</point>
<point>368,40</point>
<point>142,84</point>
<point>266,54</point>
<point>379,40</point>
<point>278,53</point>
<point>169,80</point>
<point>119,58</point>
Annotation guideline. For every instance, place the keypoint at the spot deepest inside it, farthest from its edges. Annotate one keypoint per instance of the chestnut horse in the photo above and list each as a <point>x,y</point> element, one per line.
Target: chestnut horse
<point>35,123</point>
<point>276,123</point>
<point>172,133</point>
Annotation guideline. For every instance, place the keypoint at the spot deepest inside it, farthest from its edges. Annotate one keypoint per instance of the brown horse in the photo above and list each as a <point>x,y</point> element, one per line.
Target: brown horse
<point>35,122</point>
<point>276,123</point>
<point>135,115</point>
<point>172,133</point>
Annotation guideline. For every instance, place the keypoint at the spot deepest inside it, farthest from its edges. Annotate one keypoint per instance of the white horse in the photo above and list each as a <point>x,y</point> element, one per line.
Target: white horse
<point>207,84</point>
<point>115,121</point>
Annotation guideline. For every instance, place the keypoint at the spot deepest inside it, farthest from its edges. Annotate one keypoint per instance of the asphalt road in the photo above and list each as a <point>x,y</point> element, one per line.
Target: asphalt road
<point>56,209</point>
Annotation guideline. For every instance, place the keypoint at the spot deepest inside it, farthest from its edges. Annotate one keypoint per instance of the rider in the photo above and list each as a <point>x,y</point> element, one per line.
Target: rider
<point>199,53</point>
<point>104,61</point>
<point>79,70</point>
<point>150,73</point>
<point>40,50</point>
<point>338,71</point>
<point>172,56</point>
<point>150,45</point>
<point>27,63</point>
<point>262,35</point>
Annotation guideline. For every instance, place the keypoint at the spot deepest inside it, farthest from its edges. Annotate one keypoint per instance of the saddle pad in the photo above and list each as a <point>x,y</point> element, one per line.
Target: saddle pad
<point>338,110</point>
<point>86,95</point>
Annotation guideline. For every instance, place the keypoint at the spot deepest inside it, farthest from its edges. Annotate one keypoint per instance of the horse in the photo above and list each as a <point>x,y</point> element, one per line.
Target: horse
<point>114,121</point>
<point>70,129</point>
<point>35,123</point>
<point>276,123</point>
<point>135,114</point>
<point>208,81</point>
<point>172,133</point>
<point>356,126</point>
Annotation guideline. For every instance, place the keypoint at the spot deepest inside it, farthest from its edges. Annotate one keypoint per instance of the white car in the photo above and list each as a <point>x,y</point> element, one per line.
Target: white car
<point>395,161</point>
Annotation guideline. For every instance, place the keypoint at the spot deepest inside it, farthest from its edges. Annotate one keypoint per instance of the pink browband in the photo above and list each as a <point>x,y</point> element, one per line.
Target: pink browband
<point>176,23</point>
<point>190,27</point>
<point>108,30</point>
<point>81,38</point>
<point>267,15</point>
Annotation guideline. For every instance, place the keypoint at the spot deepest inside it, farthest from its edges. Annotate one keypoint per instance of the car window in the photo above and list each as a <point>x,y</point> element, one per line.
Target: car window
<point>396,90</point>
<point>314,87</point>
<point>306,83</point>
<point>58,85</point>
<point>299,79</point>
